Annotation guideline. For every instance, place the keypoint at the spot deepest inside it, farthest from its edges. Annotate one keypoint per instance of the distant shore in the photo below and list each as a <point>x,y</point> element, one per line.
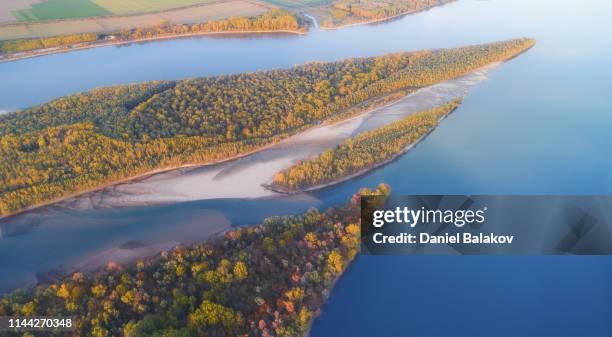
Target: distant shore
<point>373,21</point>
<point>107,43</point>
<point>95,44</point>
<point>103,43</point>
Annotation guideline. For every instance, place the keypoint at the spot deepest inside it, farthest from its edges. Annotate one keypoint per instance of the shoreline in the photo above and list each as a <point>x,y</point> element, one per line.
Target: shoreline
<point>372,21</point>
<point>92,45</point>
<point>330,289</point>
<point>359,173</point>
<point>135,178</point>
<point>121,256</point>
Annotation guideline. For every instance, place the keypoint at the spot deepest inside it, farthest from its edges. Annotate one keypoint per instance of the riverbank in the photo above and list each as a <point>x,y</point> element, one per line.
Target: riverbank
<point>381,20</point>
<point>369,22</point>
<point>213,225</point>
<point>133,179</point>
<point>103,43</point>
<point>106,43</point>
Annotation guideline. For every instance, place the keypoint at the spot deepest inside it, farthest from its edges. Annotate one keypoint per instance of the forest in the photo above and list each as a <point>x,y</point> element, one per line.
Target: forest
<point>86,140</point>
<point>362,152</point>
<point>344,12</point>
<point>274,20</point>
<point>265,280</point>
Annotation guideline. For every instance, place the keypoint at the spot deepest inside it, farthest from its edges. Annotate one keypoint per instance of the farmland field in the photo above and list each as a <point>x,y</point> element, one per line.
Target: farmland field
<point>122,7</point>
<point>61,9</point>
<point>8,7</point>
<point>212,11</point>
<point>297,3</point>
<point>70,9</point>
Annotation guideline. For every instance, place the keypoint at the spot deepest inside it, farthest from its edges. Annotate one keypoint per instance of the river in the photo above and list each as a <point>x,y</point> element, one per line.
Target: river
<point>539,124</point>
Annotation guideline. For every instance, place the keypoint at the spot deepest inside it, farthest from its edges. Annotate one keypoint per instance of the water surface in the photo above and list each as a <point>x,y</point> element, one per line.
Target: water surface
<point>540,124</point>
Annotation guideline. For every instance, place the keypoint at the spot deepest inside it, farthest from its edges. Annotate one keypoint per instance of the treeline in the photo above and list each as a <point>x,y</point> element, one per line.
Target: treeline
<point>274,20</point>
<point>85,140</point>
<point>361,152</point>
<point>264,280</point>
<point>22,45</point>
<point>349,11</point>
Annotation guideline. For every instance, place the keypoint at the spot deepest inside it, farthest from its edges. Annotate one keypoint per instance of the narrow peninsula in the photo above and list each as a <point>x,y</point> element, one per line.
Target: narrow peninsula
<point>361,153</point>
<point>89,140</point>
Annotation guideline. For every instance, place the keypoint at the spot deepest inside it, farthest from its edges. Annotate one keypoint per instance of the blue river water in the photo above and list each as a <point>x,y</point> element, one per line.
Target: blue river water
<point>539,125</point>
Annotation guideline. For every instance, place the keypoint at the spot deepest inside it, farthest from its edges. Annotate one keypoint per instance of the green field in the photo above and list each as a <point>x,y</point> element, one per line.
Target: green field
<point>70,9</point>
<point>61,9</point>
<point>122,7</point>
<point>73,9</point>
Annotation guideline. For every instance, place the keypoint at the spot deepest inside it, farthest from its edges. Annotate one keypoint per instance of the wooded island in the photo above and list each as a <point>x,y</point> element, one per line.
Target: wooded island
<point>84,141</point>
